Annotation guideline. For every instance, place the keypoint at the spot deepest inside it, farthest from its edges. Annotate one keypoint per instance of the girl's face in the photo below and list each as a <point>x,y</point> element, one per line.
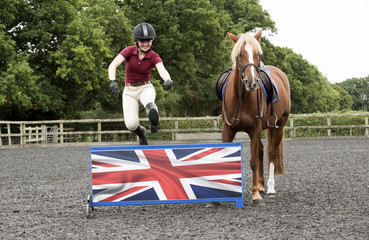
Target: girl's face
<point>145,45</point>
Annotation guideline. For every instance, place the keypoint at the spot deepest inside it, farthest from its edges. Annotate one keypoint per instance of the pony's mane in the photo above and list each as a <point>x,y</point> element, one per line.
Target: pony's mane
<point>245,38</point>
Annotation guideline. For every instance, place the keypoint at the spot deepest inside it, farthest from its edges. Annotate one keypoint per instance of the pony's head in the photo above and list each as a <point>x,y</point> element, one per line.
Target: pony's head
<point>246,56</point>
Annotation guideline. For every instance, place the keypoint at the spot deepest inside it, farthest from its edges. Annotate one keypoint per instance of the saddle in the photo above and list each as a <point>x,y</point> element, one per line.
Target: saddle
<point>269,86</point>
<point>221,83</point>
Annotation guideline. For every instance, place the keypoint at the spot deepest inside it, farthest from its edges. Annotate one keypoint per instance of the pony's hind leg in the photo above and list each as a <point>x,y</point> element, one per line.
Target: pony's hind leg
<point>271,181</point>
<point>275,156</point>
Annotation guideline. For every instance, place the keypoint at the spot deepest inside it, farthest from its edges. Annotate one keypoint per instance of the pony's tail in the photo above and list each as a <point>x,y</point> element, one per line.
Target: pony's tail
<point>279,154</point>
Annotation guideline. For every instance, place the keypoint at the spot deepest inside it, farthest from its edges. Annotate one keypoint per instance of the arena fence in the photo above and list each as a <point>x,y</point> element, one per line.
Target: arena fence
<point>109,131</point>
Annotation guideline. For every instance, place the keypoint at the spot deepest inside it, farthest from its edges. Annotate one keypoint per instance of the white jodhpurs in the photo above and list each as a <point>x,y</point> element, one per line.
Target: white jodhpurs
<point>132,97</point>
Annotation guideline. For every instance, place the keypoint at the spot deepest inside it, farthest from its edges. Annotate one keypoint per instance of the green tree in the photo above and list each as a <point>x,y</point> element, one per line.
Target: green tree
<point>37,28</point>
<point>358,88</point>
<point>84,55</point>
<point>345,99</point>
<point>7,49</point>
<point>20,95</point>
<point>67,46</point>
<point>247,15</point>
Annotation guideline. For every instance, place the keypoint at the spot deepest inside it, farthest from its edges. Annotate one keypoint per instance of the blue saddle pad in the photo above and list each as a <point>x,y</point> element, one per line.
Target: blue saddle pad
<point>225,83</point>
<point>273,93</point>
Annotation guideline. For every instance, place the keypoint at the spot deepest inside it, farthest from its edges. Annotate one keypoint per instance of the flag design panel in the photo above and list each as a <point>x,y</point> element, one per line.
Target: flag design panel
<point>166,174</point>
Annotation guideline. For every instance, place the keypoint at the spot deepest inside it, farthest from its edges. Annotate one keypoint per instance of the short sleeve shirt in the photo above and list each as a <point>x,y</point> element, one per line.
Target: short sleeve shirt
<point>139,70</point>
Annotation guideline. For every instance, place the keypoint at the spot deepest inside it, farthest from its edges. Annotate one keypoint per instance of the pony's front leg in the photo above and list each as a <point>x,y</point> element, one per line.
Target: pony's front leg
<point>256,165</point>
<point>227,133</point>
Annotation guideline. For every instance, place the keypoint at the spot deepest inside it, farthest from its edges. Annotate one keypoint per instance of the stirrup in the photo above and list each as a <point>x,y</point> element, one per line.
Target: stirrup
<point>275,122</point>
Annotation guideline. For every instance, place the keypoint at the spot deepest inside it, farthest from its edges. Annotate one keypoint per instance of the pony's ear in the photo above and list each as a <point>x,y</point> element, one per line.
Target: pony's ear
<point>258,35</point>
<point>233,37</point>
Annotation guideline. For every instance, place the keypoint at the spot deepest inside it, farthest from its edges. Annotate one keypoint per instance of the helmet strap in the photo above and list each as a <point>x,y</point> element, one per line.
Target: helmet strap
<point>141,49</point>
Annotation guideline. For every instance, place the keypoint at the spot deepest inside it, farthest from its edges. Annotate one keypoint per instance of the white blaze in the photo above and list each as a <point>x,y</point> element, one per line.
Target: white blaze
<point>251,58</point>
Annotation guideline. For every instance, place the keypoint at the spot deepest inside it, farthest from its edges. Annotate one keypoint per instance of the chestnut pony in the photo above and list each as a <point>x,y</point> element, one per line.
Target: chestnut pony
<point>242,104</point>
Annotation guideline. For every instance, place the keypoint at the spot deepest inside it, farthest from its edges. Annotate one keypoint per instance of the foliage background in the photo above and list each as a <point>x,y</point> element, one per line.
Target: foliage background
<point>55,55</point>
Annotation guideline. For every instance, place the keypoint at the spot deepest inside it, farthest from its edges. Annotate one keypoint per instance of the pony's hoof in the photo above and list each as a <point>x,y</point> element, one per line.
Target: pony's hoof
<point>257,199</point>
<point>271,193</point>
<point>257,202</point>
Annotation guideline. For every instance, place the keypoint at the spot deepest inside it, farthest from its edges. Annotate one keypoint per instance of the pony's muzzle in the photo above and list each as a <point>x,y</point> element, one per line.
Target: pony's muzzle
<point>251,86</point>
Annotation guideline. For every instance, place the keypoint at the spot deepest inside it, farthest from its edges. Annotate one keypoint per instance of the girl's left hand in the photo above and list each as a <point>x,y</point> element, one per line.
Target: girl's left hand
<point>167,84</point>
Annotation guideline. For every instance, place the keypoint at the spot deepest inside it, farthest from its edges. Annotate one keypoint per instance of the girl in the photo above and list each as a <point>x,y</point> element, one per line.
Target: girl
<point>140,60</point>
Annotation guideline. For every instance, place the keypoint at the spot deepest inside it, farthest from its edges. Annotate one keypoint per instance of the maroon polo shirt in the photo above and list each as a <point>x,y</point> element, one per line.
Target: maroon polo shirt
<point>139,70</point>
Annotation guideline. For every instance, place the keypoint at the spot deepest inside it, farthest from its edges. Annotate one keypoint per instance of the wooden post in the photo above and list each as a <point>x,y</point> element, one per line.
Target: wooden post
<point>36,133</point>
<point>44,133</point>
<point>329,124</point>
<point>23,133</point>
<point>1,143</point>
<point>61,127</point>
<point>99,131</point>
<point>292,131</point>
<point>9,132</point>
<point>175,133</point>
<point>366,126</point>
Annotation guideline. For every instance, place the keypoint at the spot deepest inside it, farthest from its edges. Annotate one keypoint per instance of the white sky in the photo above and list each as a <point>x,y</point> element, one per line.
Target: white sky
<point>330,34</point>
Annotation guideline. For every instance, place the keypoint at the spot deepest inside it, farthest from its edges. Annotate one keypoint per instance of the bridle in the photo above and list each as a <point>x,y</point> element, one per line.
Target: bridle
<point>243,79</point>
<point>241,69</point>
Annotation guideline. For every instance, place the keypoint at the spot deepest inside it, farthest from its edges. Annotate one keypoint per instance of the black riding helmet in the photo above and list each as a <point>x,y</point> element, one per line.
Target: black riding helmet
<point>144,31</point>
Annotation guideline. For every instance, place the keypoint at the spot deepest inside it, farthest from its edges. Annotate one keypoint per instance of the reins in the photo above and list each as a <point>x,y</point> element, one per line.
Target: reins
<point>238,108</point>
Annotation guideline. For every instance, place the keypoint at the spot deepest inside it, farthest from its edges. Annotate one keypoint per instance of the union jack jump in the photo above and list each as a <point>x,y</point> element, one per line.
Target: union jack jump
<point>159,174</point>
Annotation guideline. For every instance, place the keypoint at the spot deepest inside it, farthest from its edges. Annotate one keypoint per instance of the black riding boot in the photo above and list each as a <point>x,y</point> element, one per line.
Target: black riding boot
<point>152,114</point>
<point>141,133</point>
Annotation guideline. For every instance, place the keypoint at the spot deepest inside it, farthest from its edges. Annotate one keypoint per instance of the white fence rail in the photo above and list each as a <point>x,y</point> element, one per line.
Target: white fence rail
<point>22,134</point>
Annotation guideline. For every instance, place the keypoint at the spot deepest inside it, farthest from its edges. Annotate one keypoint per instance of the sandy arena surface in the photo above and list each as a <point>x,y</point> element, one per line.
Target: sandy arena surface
<point>324,194</point>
